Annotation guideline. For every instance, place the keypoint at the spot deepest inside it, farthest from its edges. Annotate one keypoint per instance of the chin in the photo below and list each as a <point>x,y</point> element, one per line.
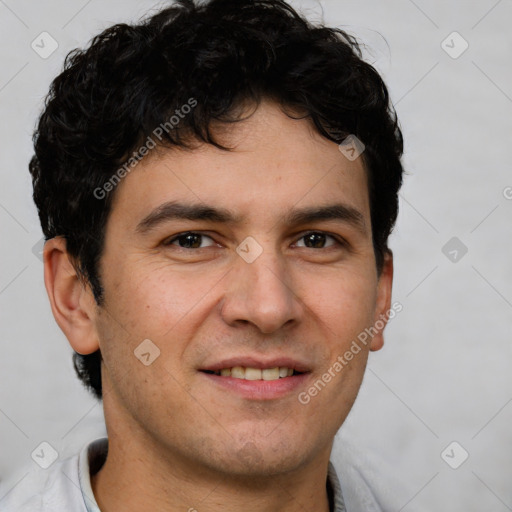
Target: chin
<point>261,458</point>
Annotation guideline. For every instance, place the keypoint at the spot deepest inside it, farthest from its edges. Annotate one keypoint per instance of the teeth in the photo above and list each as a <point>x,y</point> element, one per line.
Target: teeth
<point>270,373</point>
<point>239,372</point>
<point>252,374</point>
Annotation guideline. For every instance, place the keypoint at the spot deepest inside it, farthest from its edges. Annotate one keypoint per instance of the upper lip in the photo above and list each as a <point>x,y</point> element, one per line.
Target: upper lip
<point>258,362</point>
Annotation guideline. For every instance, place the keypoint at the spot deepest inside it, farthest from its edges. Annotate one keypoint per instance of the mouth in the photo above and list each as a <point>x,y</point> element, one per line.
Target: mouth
<point>258,380</point>
<point>251,373</point>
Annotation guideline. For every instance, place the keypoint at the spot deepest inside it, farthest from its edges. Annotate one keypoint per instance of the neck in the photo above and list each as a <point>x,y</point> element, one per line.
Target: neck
<point>137,477</point>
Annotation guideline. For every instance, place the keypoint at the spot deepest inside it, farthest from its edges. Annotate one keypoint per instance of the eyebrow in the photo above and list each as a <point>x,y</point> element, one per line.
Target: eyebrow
<point>173,210</point>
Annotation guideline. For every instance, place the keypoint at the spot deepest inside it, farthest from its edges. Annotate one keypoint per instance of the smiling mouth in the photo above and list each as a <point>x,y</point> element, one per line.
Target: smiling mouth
<point>248,373</point>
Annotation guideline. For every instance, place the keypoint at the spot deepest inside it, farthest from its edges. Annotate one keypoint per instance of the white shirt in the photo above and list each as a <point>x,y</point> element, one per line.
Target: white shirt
<point>66,486</point>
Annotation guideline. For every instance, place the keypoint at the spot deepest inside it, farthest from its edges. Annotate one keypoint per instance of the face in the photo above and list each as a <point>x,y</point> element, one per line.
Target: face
<point>230,263</point>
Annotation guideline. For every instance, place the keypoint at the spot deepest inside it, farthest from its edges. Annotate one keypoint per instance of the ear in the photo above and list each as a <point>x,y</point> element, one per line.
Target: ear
<point>383,304</point>
<point>72,303</point>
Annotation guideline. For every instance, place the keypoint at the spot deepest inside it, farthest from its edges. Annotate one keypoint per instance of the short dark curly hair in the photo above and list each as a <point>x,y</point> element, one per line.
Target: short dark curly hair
<point>223,54</point>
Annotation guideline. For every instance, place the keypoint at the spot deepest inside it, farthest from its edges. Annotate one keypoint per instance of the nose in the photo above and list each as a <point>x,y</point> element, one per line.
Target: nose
<point>261,293</point>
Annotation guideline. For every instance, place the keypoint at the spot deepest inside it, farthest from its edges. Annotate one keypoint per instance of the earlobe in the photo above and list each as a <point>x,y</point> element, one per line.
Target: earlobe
<point>383,305</point>
<point>72,303</point>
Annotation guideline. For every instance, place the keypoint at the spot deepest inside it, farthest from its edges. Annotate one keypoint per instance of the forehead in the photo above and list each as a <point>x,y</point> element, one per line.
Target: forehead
<point>276,164</point>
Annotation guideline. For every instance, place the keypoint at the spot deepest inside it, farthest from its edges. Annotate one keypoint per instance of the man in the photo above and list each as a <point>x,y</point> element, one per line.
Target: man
<point>216,185</point>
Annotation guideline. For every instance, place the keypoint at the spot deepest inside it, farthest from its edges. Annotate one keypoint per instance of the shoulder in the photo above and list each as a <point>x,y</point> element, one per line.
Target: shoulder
<point>362,483</point>
<point>59,488</point>
<point>34,488</point>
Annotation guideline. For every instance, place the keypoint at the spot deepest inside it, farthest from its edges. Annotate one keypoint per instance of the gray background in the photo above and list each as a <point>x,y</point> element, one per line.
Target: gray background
<point>444,373</point>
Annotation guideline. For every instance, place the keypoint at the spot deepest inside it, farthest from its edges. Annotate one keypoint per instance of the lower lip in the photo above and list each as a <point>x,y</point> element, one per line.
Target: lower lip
<point>260,389</point>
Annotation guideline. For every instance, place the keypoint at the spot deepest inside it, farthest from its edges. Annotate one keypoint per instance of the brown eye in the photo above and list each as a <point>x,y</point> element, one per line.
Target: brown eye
<point>317,240</point>
<point>189,240</point>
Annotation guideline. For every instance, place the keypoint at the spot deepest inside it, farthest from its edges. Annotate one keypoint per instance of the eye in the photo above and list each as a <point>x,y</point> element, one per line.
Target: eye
<point>189,240</point>
<point>317,240</point>
<point>195,240</point>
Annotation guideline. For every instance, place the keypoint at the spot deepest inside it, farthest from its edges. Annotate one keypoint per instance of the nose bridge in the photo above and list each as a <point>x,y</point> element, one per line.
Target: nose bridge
<point>260,291</point>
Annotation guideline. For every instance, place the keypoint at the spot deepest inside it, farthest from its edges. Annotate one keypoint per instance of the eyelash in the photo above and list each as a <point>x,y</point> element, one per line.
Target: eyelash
<point>338,241</point>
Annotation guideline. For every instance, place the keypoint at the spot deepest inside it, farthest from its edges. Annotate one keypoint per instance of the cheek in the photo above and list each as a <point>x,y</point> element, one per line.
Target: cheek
<point>152,300</point>
<point>344,303</point>
<point>159,304</point>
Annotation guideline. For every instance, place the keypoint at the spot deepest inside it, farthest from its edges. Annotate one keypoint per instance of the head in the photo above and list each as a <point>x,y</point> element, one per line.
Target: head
<point>222,118</point>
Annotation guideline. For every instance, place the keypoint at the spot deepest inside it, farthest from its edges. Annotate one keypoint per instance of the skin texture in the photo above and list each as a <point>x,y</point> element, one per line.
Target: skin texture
<point>177,441</point>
